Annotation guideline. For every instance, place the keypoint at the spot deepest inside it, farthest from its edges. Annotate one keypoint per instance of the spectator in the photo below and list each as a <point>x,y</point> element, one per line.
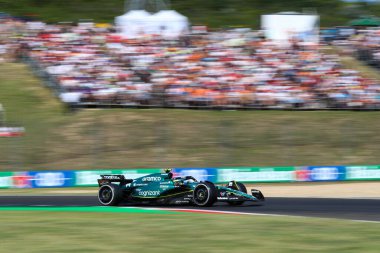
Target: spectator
<point>225,68</point>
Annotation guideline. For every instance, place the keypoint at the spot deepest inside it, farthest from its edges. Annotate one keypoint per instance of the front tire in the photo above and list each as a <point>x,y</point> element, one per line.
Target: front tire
<point>110,195</point>
<point>205,194</point>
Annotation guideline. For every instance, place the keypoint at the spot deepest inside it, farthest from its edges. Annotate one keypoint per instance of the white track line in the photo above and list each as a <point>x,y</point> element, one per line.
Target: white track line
<point>41,205</point>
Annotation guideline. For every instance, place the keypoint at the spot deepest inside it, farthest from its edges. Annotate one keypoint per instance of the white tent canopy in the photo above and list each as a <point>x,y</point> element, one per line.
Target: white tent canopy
<point>133,23</point>
<point>281,27</point>
<point>167,23</point>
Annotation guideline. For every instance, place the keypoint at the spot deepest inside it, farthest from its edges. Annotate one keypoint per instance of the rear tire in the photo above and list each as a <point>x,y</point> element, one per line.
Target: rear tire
<point>205,194</point>
<point>239,187</point>
<point>110,195</point>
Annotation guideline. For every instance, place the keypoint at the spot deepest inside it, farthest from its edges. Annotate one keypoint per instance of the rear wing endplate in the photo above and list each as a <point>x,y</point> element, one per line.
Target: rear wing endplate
<point>107,179</point>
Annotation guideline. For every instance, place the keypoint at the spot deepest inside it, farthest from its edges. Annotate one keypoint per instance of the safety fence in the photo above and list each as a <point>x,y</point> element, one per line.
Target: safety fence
<point>49,80</point>
<point>86,178</point>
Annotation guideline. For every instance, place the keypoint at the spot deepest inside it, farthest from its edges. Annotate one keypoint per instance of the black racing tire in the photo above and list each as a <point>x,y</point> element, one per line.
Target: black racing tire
<point>205,194</point>
<point>110,195</point>
<point>239,187</point>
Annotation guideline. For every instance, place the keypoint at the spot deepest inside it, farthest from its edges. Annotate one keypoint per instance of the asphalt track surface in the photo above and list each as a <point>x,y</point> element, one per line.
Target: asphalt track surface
<point>353,209</point>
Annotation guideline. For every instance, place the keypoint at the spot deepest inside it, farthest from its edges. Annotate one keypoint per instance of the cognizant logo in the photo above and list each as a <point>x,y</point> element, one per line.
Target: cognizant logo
<point>149,193</point>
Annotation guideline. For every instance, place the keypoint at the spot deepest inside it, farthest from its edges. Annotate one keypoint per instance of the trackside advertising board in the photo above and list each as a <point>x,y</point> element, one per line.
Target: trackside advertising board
<point>371,172</point>
<point>327,173</point>
<point>320,173</point>
<point>89,177</point>
<point>6,179</point>
<point>21,180</point>
<point>201,174</point>
<point>256,174</point>
<point>43,179</point>
<point>46,179</point>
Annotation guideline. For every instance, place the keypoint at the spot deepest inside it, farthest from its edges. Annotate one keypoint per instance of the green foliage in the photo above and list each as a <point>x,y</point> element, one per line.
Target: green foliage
<point>215,13</point>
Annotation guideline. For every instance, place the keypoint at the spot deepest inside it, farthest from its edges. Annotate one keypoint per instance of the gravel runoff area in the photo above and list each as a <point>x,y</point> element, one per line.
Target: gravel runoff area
<point>321,190</point>
<point>309,190</point>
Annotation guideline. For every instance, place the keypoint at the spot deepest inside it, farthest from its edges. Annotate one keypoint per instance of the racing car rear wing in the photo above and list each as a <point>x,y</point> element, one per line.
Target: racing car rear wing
<point>107,179</point>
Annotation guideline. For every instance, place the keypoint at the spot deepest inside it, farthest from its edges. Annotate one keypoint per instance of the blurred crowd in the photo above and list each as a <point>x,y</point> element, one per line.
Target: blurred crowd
<point>235,67</point>
<point>365,45</point>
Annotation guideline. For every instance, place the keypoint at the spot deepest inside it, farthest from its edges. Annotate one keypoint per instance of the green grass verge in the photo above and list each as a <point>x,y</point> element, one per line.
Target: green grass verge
<point>43,231</point>
<point>132,138</point>
<point>70,191</point>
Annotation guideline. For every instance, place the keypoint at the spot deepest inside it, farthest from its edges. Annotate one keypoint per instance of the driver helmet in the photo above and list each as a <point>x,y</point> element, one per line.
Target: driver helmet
<point>167,170</point>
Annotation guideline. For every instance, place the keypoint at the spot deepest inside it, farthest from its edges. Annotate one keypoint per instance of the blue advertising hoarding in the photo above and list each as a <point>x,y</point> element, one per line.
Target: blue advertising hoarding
<point>43,179</point>
<point>326,173</point>
<point>201,174</point>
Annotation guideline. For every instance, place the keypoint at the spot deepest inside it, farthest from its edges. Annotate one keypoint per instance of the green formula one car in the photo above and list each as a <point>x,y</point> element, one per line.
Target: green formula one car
<point>164,189</point>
